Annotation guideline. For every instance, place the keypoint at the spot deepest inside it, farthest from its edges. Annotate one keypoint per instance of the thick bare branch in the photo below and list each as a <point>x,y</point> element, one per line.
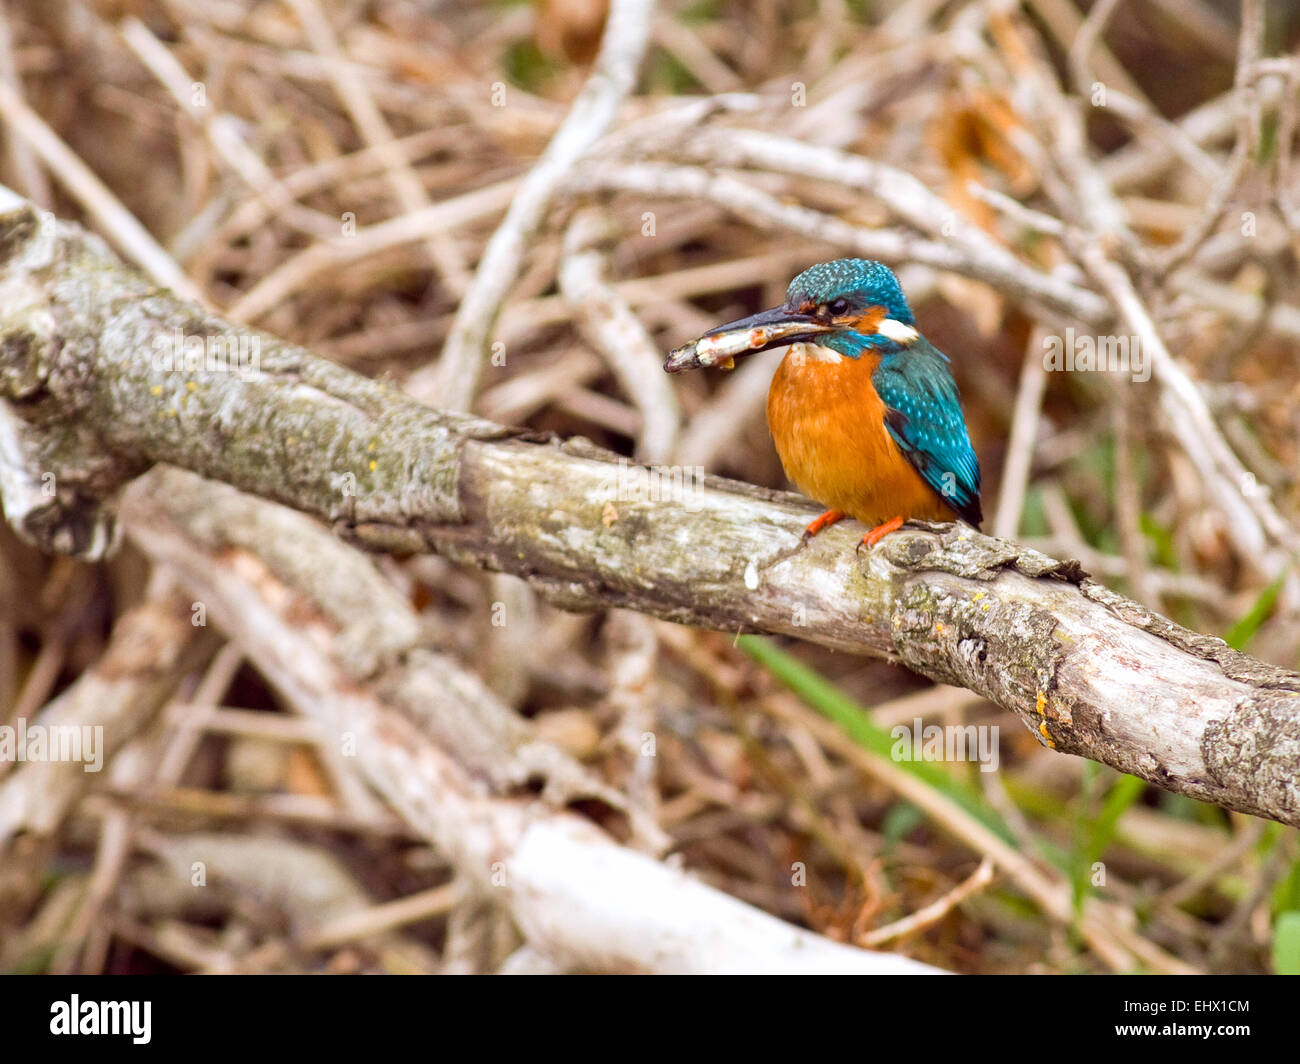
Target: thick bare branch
<point>1088,671</point>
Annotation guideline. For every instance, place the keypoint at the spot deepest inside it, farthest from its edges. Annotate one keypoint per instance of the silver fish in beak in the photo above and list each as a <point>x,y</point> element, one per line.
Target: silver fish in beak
<point>778,327</point>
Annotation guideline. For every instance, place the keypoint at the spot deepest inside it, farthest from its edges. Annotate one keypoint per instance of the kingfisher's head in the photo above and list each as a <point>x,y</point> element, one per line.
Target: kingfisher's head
<point>849,306</point>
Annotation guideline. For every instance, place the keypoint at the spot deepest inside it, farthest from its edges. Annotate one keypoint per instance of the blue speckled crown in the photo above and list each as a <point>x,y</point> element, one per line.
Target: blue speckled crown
<point>865,282</point>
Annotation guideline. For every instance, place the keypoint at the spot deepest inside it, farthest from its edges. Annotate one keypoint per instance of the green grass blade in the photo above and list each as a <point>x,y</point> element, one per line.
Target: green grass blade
<point>1286,943</point>
<point>832,703</point>
<point>1240,633</point>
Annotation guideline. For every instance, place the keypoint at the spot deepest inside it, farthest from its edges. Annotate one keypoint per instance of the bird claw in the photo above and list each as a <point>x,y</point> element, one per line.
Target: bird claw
<point>880,532</point>
<point>824,521</point>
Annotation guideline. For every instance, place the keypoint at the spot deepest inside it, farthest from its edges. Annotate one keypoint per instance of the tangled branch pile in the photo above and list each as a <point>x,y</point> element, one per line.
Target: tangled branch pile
<point>497,211</point>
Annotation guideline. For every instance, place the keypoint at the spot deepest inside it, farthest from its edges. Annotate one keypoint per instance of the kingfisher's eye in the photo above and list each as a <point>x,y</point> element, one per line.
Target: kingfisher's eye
<point>840,306</point>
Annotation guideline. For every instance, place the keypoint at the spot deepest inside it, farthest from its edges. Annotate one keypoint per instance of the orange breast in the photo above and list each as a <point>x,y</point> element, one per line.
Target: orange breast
<point>828,425</point>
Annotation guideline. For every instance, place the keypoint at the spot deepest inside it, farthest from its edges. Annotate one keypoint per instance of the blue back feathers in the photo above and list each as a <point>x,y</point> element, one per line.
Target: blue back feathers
<point>923,415</point>
<point>922,408</point>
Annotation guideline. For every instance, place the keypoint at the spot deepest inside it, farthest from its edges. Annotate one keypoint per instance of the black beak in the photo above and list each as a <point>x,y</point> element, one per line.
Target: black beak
<point>778,327</point>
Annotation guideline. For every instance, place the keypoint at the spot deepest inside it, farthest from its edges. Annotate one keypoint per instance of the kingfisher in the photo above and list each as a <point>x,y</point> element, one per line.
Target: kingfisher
<point>863,410</point>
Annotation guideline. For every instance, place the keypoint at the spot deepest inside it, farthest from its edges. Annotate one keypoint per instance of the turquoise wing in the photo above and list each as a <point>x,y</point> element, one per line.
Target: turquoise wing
<point>923,414</point>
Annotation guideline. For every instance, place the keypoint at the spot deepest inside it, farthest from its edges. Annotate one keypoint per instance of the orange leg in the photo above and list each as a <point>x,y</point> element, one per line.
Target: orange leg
<point>825,521</point>
<point>880,532</point>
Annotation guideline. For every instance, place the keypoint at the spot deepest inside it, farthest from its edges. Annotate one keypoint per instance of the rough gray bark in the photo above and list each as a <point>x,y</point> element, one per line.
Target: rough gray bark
<point>1088,671</point>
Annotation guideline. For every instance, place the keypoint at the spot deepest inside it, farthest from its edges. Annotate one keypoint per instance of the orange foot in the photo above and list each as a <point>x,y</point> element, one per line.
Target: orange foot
<point>880,532</point>
<point>825,521</point>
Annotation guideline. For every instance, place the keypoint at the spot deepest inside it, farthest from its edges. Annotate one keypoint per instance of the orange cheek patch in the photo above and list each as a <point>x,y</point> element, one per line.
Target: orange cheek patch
<point>867,322</point>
